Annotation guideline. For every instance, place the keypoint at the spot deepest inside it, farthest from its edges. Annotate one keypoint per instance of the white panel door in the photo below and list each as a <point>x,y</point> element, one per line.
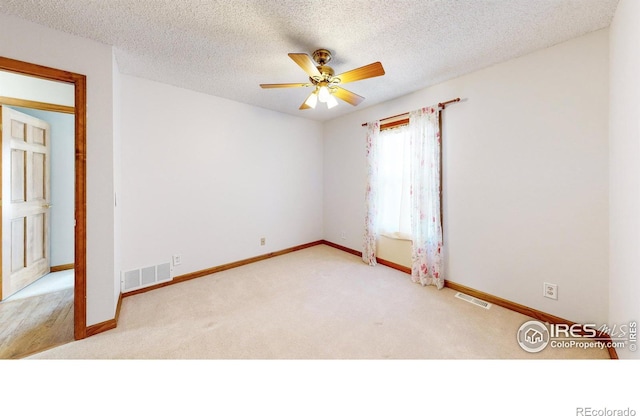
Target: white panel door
<point>25,200</point>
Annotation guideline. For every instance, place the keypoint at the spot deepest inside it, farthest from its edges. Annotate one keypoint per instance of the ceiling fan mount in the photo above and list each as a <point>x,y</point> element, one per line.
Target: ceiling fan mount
<point>322,56</point>
<point>324,81</point>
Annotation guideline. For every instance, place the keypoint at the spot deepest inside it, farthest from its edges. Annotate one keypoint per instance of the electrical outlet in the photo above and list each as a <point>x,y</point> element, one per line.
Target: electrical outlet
<point>343,235</point>
<point>550,291</point>
<point>177,259</point>
<point>263,241</point>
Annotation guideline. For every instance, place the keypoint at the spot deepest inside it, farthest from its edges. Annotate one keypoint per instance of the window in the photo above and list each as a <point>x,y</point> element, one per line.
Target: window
<point>394,183</point>
<point>390,190</point>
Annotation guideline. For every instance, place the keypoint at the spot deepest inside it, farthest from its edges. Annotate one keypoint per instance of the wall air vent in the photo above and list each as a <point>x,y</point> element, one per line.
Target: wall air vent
<point>475,301</point>
<point>146,276</point>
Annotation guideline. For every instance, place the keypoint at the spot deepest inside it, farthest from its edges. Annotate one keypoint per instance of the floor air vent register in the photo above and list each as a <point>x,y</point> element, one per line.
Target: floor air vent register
<point>475,301</point>
<point>146,276</point>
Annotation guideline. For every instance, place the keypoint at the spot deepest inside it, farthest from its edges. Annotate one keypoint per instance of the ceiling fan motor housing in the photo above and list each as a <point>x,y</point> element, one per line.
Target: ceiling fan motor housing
<point>327,75</point>
<point>322,57</point>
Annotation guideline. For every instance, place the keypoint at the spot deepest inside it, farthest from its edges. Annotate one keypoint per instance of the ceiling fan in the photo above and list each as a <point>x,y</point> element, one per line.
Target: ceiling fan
<point>326,85</point>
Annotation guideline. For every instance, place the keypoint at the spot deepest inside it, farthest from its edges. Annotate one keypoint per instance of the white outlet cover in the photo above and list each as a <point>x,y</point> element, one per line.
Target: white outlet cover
<point>550,291</point>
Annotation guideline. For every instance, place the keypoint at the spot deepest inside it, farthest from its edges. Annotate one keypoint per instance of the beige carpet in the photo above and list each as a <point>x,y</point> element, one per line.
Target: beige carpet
<point>317,303</point>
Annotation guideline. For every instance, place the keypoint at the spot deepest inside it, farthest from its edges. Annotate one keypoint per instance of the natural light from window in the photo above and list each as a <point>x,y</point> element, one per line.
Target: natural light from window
<point>394,179</point>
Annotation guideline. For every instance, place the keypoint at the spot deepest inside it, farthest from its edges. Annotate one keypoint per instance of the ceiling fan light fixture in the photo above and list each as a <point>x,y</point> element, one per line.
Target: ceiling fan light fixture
<point>323,94</point>
<point>331,101</point>
<point>312,100</point>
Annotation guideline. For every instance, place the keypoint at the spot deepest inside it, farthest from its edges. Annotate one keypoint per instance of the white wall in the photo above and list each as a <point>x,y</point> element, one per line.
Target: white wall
<point>117,172</point>
<point>62,183</point>
<point>26,41</point>
<point>525,177</point>
<point>624,290</point>
<point>206,178</point>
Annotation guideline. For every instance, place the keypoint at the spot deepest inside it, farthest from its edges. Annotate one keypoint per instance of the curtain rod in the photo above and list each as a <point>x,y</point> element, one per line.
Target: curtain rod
<point>440,105</point>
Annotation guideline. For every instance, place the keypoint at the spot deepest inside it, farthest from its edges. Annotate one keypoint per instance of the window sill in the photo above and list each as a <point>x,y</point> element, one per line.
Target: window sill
<point>396,236</point>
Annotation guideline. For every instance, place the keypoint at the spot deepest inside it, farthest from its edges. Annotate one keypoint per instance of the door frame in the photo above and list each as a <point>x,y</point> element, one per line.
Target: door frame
<point>79,82</point>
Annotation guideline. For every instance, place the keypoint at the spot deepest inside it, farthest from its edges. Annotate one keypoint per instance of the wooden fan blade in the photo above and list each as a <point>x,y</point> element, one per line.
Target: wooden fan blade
<point>285,85</point>
<point>368,71</point>
<point>306,63</point>
<point>348,96</point>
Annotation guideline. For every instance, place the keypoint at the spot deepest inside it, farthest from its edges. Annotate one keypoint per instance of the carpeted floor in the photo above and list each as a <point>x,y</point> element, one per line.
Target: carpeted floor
<point>317,303</point>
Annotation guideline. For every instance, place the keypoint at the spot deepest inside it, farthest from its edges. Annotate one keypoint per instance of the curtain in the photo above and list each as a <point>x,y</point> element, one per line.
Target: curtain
<point>371,195</point>
<point>426,230</point>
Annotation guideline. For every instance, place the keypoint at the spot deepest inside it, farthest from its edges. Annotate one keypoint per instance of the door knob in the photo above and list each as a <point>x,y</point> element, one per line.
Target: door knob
<point>47,206</point>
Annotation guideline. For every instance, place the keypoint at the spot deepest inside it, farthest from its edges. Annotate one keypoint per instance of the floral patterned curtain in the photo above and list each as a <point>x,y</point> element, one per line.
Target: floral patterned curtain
<point>371,198</point>
<point>426,229</point>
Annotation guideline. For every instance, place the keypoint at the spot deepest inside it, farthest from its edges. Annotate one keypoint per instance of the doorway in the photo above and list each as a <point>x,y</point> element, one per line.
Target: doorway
<point>79,265</point>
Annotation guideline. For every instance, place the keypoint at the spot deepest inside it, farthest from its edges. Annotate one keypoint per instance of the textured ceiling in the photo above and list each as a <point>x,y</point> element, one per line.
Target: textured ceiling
<point>227,48</point>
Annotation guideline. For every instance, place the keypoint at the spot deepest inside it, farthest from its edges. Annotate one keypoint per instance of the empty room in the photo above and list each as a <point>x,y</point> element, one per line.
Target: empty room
<point>327,180</point>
